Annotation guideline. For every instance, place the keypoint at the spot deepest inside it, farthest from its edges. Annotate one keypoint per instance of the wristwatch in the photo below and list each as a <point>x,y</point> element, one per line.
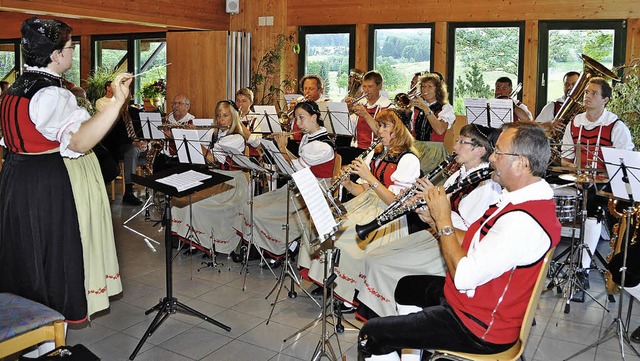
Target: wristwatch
<point>446,231</point>
<point>428,114</point>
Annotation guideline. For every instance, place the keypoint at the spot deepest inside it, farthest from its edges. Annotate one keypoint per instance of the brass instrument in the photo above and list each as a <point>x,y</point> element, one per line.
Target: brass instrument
<point>403,100</point>
<point>355,101</point>
<point>336,183</point>
<point>617,238</point>
<point>155,147</point>
<point>356,84</point>
<point>573,104</point>
<point>400,209</point>
<point>273,135</point>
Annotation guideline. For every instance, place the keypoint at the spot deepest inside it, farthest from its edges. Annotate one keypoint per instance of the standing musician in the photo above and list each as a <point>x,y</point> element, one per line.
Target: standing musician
<point>394,167</point>
<point>593,129</point>
<point>217,217</point>
<point>317,151</point>
<point>364,119</point>
<point>548,113</point>
<point>419,253</point>
<point>491,268</point>
<point>432,113</point>
<point>504,88</point>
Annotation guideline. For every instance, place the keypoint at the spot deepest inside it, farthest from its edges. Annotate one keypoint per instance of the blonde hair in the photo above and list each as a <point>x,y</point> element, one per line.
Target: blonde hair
<point>402,140</point>
<point>236,126</point>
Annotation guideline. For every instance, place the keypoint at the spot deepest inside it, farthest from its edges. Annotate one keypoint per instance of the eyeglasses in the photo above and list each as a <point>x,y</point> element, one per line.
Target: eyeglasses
<point>462,141</point>
<point>72,47</point>
<point>178,103</point>
<point>496,152</point>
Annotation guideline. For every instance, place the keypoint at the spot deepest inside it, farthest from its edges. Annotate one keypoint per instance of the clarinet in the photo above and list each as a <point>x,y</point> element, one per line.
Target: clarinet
<point>401,210</point>
<point>345,175</point>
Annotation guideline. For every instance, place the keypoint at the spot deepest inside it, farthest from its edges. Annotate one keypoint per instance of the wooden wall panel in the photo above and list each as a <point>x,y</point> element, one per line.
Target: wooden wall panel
<point>186,14</point>
<point>440,49</point>
<point>332,12</point>
<point>198,69</point>
<point>530,73</point>
<point>633,40</point>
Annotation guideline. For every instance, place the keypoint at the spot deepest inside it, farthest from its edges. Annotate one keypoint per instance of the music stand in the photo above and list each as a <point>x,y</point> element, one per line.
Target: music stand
<point>624,184</point>
<point>267,118</point>
<point>170,304</point>
<point>492,113</point>
<point>335,116</point>
<point>150,123</point>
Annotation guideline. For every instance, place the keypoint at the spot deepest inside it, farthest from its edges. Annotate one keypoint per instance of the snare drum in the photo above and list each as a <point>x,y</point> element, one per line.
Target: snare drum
<point>566,200</point>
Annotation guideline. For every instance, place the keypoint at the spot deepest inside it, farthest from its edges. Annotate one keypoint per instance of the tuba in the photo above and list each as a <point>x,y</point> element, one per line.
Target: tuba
<point>573,104</point>
<point>356,84</point>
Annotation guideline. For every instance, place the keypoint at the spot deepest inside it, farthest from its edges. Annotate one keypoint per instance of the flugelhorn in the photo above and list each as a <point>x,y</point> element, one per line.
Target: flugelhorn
<point>336,183</point>
<point>403,100</point>
<point>399,211</point>
<point>355,101</point>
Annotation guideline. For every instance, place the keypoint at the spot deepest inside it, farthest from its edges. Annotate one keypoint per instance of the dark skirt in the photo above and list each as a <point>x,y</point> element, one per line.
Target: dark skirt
<point>40,246</point>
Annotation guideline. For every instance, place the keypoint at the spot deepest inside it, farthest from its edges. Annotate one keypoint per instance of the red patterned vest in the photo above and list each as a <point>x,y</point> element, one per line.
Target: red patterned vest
<point>324,170</point>
<point>364,134</point>
<point>590,144</point>
<point>19,131</point>
<point>476,312</point>
<point>421,129</point>
<point>386,168</point>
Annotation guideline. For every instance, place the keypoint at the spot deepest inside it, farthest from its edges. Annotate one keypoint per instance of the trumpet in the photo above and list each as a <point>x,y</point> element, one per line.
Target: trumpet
<point>356,100</point>
<point>403,100</point>
<point>273,135</point>
<point>401,209</point>
<point>336,183</point>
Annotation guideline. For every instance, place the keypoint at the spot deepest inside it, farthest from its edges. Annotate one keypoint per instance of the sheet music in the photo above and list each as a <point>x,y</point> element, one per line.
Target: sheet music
<point>477,111</point>
<point>150,121</point>
<point>339,118</point>
<point>242,160</point>
<point>203,122</point>
<point>501,112</point>
<point>268,119</point>
<point>313,197</point>
<point>274,152</point>
<point>631,160</point>
<point>188,144</point>
<point>185,180</point>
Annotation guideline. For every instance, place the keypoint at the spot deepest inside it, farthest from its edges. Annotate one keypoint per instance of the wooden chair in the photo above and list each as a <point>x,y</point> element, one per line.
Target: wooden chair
<point>516,350</point>
<point>337,167</point>
<point>25,323</point>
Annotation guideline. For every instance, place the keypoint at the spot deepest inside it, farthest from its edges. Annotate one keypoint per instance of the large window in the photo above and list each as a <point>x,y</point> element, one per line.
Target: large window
<point>328,51</point>
<point>482,53</point>
<point>561,44</point>
<point>399,51</point>
<point>134,53</point>
<point>9,60</point>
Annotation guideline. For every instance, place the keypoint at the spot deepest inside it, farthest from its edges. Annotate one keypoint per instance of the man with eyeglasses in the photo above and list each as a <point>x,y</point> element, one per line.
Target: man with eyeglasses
<point>491,268</point>
<point>593,129</point>
<point>180,106</point>
<point>419,253</point>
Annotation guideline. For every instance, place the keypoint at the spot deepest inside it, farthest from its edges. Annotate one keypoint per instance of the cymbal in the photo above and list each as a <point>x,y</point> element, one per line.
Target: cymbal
<point>562,169</point>
<point>588,178</point>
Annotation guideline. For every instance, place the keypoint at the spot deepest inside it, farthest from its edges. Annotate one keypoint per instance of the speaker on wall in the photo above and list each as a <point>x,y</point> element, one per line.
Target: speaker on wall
<point>233,6</point>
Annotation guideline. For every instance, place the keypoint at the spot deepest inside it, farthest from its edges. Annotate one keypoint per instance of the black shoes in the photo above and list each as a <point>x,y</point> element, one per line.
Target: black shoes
<point>131,199</point>
<point>346,308</point>
<point>635,335</point>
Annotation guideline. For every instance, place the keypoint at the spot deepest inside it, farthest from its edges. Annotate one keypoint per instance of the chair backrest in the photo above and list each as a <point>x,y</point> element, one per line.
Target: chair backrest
<point>337,166</point>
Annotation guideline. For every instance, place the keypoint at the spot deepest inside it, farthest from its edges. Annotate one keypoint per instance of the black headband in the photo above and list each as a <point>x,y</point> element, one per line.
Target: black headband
<point>230,102</point>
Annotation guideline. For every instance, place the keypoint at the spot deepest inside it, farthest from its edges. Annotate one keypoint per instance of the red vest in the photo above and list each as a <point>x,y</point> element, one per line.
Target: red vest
<point>590,137</point>
<point>324,170</point>
<point>364,134</point>
<point>476,312</point>
<point>386,168</point>
<point>19,131</point>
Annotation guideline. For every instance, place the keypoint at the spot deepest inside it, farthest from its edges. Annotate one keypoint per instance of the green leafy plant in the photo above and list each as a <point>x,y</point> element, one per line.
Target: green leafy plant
<point>154,89</point>
<point>625,100</point>
<point>96,81</point>
<point>266,88</point>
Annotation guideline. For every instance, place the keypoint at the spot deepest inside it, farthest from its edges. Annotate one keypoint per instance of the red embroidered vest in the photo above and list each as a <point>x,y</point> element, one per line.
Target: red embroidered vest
<point>589,140</point>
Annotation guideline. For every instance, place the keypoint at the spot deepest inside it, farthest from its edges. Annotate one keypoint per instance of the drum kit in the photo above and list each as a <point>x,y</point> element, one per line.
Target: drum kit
<point>570,196</point>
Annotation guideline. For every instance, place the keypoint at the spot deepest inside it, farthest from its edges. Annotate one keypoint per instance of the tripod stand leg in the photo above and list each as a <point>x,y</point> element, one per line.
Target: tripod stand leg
<point>160,317</point>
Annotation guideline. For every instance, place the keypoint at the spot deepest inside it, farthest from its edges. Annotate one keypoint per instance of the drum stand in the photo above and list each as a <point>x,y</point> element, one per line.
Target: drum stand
<point>287,267</point>
<point>324,348</point>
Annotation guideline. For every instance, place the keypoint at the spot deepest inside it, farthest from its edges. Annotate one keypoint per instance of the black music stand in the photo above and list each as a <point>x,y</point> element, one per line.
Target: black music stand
<point>170,304</point>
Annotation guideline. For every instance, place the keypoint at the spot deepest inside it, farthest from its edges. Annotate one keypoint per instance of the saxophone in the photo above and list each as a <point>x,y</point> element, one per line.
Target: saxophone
<point>617,239</point>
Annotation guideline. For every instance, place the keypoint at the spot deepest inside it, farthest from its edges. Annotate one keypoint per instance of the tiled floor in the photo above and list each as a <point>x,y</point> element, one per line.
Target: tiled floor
<point>114,334</point>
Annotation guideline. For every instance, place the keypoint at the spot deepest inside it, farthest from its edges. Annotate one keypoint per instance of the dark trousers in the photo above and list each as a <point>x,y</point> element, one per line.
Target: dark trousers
<point>435,327</point>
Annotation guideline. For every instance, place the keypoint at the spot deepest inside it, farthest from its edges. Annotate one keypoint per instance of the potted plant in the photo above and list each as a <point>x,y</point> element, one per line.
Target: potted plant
<point>153,93</point>
<point>625,100</point>
<point>96,81</point>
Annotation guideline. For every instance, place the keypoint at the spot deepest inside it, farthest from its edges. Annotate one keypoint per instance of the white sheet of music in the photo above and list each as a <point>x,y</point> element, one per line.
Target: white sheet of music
<point>612,158</point>
<point>241,160</point>
<point>185,180</point>
<point>476,111</point>
<point>339,118</point>
<point>150,121</point>
<point>313,197</point>
<point>268,119</point>
<point>205,122</point>
<point>501,111</point>
<point>188,145</point>
<point>272,149</point>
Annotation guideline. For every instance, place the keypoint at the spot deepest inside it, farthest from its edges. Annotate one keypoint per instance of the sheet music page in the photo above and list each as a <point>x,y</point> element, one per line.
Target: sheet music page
<point>289,97</point>
<point>150,121</point>
<point>501,111</point>
<point>205,122</point>
<point>268,119</point>
<point>242,160</point>
<point>631,160</point>
<point>274,152</point>
<point>476,111</point>
<point>188,146</point>
<point>185,180</point>
<point>339,118</point>
<point>314,199</point>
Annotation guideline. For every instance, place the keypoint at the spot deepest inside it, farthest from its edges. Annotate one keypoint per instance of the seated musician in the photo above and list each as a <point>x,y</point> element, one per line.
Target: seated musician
<point>388,168</point>
<point>548,113</point>
<point>216,218</point>
<point>312,88</point>
<point>179,116</point>
<point>251,130</point>
<point>317,151</point>
<point>593,129</point>
<point>504,88</point>
<point>432,114</point>
<point>418,253</point>
<point>491,268</point>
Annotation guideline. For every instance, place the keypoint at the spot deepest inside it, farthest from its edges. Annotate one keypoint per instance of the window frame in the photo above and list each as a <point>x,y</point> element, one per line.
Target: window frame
<point>372,38</point>
<point>17,55</point>
<point>303,31</point>
<point>619,48</point>
<point>451,33</point>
